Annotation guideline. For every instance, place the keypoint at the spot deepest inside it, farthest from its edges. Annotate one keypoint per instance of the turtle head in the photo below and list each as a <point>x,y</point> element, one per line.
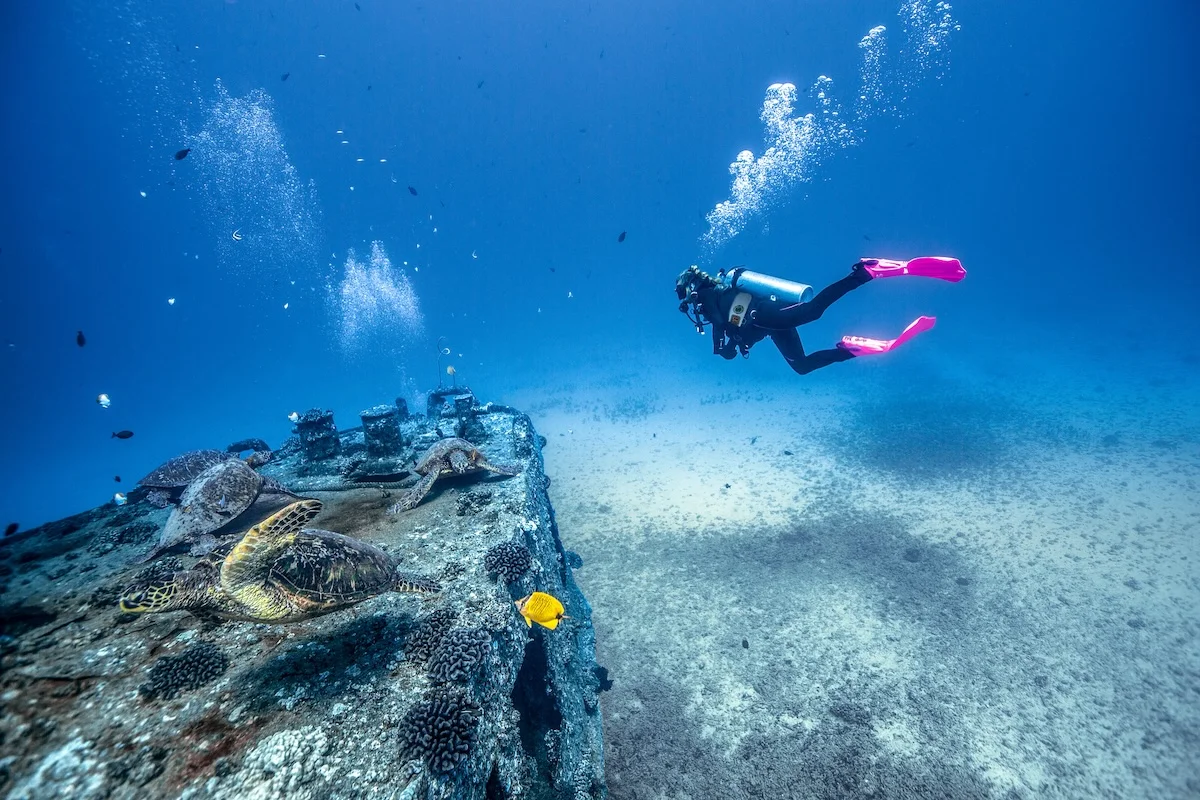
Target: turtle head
<point>165,593</point>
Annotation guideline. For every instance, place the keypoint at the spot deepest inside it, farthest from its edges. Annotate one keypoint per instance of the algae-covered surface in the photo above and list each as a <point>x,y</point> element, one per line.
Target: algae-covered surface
<point>97,703</point>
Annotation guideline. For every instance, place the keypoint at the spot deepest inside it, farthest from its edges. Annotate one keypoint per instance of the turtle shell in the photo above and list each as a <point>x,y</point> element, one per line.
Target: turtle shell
<point>183,469</point>
<point>330,569</point>
<point>439,451</point>
<point>211,501</point>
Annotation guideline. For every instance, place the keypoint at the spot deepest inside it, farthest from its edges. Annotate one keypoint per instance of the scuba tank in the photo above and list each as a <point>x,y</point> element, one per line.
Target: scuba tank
<point>756,291</point>
<point>769,290</point>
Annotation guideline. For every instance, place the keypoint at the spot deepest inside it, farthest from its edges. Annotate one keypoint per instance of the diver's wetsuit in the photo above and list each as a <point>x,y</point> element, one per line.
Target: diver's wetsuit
<point>780,324</point>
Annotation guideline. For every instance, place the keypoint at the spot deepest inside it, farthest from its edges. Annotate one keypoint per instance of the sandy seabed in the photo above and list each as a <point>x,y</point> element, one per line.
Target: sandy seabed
<point>907,581</point>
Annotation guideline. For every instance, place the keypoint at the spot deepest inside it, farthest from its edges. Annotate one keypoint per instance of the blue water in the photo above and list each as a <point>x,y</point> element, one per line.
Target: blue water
<point>1052,150</point>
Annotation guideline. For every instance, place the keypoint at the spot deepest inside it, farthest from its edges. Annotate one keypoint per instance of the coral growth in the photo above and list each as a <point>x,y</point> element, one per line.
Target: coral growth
<point>509,560</point>
<point>191,669</point>
<point>440,729</point>
<point>460,655</point>
<point>425,639</point>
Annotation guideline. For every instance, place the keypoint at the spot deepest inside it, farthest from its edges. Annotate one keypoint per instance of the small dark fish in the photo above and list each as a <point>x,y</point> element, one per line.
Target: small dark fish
<point>552,269</point>
<point>122,435</point>
<point>412,191</point>
<point>11,529</point>
<point>80,339</point>
<point>357,7</point>
<point>621,238</point>
<point>479,85</point>
<point>368,87</point>
<point>176,48</point>
<point>787,452</point>
<point>182,154</point>
<point>866,238</point>
<point>117,478</point>
<point>285,76</point>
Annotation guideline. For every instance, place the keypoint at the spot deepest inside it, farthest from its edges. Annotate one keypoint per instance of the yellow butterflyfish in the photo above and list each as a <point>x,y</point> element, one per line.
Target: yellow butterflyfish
<point>542,608</point>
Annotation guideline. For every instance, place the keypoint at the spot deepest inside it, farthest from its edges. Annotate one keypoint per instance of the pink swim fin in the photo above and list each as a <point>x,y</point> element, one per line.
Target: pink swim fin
<point>940,267</point>
<point>862,346</point>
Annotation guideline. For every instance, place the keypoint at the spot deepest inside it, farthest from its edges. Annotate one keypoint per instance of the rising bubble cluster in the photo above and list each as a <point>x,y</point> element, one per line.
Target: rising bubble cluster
<point>797,145</point>
<point>251,188</point>
<point>378,309</point>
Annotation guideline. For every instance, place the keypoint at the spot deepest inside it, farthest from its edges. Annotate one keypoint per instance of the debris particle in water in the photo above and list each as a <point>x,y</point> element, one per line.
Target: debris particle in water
<point>170,301</point>
<point>119,499</point>
<point>180,155</point>
<point>80,339</point>
<point>412,191</point>
<point>122,435</point>
<point>103,401</point>
<point>621,238</point>
<point>479,85</point>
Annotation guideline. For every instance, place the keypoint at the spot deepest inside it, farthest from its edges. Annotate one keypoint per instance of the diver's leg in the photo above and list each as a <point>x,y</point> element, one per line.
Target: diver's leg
<point>803,313</point>
<point>792,350</point>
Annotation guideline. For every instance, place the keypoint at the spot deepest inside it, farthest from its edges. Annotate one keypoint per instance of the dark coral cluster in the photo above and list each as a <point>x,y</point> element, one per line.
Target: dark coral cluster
<point>509,560</point>
<point>191,669</point>
<point>440,729</point>
<point>460,655</point>
<point>425,639</point>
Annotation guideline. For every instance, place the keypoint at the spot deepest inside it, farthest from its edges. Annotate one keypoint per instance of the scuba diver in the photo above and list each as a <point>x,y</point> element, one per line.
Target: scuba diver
<point>745,307</point>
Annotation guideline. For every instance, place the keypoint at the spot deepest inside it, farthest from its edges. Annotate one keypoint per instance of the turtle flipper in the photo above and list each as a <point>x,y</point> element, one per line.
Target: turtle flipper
<point>415,495</point>
<point>508,470</point>
<point>246,567</point>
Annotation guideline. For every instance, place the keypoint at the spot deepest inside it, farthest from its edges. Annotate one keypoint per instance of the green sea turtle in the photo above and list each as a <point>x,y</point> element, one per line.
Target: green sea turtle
<point>170,479</point>
<point>214,500</point>
<point>278,571</point>
<point>448,457</point>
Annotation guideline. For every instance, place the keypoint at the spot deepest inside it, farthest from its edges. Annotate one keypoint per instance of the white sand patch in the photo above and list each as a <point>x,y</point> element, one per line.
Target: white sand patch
<point>1039,637</point>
